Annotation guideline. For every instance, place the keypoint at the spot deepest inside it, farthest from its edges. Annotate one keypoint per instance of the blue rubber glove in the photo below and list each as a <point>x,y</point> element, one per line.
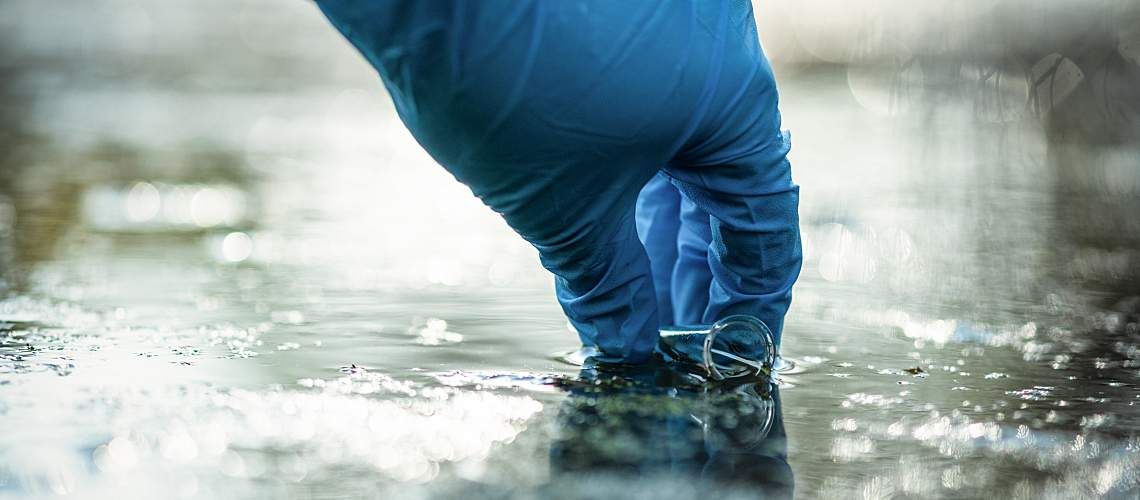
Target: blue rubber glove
<point>556,114</point>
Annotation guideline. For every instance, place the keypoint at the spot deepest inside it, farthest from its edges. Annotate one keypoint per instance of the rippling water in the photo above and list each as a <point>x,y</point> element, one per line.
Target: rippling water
<point>228,272</point>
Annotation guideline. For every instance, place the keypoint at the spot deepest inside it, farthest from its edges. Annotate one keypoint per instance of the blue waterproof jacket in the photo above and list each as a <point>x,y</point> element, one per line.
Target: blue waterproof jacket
<point>635,143</point>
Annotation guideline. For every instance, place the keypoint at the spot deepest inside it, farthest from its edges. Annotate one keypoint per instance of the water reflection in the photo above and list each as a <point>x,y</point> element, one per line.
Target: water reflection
<point>143,206</point>
<point>660,431</point>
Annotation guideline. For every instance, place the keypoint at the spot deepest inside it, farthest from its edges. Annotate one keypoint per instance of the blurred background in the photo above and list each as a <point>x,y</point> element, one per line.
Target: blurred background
<point>227,270</point>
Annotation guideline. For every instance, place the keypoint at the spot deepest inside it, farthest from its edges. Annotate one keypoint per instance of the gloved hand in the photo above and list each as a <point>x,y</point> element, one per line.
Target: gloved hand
<point>556,114</point>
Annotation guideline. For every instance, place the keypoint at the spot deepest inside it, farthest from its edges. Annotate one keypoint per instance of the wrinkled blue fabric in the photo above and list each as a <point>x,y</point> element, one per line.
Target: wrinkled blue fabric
<point>557,113</point>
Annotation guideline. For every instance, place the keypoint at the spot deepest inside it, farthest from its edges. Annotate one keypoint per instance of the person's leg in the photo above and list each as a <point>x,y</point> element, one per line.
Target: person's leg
<point>735,168</point>
<point>658,225</point>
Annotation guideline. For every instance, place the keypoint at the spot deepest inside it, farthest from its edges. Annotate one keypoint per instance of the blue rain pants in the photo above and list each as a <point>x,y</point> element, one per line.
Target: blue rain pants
<point>558,113</point>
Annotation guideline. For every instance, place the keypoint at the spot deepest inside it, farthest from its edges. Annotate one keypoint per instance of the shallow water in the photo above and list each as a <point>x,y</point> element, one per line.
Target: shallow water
<point>228,272</point>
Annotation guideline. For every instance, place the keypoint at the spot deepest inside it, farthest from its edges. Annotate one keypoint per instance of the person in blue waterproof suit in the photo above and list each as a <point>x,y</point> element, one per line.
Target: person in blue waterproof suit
<point>635,144</point>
